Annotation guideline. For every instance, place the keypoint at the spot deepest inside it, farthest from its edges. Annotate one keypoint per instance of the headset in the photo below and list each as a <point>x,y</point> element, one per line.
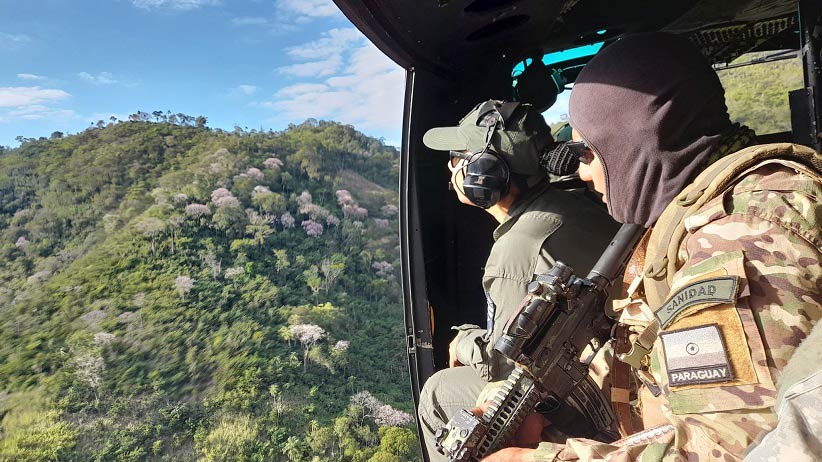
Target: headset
<point>486,174</point>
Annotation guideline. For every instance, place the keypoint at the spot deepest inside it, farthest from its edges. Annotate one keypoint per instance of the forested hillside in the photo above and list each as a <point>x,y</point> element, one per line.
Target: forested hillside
<point>172,292</point>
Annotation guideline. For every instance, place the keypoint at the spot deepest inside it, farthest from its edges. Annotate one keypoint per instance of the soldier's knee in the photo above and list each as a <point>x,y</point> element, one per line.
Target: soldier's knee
<point>428,396</point>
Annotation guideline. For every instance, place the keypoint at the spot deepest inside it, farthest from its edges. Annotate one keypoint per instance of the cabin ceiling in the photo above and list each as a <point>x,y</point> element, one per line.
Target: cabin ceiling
<point>447,36</point>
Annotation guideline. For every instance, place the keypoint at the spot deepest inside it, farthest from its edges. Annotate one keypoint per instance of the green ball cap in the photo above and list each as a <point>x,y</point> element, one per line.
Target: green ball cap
<point>520,139</point>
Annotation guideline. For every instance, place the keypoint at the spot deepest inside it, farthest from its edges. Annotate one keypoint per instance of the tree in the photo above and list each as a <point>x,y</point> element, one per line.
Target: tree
<point>174,224</point>
<point>294,449</point>
<point>151,227</point>
<point>258,227</point>
<point>183,285</point>
<point>312,277</point>
<point>308,335</point>
<point>281,256</point>
<point>230,220</point>
<point>89,369</point>
<point>332,268</point>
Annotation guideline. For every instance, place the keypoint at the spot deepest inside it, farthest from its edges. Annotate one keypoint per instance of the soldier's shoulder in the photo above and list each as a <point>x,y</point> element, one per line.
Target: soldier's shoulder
<point>776,192</point>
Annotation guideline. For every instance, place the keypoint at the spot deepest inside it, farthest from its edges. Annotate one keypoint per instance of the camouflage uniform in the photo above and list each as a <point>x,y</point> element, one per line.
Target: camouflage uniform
<point>746,292</point>
<point>545,225</point>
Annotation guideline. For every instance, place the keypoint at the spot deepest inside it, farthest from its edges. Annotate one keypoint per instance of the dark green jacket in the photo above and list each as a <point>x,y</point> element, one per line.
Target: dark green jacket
<point>544,226</point>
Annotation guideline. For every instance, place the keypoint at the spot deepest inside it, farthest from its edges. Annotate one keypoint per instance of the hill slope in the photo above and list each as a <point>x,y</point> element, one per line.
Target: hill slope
<point>169,292</point>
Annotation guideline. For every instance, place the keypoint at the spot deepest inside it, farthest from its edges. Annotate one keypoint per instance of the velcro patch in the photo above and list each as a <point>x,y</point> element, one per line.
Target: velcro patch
<point>718,289</point>
<point>696,355</point>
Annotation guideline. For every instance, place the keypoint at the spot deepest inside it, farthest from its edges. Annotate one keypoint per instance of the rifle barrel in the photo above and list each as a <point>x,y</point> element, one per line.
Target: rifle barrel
<point>613,261</point>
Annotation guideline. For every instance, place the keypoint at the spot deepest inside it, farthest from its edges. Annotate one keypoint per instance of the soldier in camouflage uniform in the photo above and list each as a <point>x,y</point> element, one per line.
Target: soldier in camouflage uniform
<point>731,283</point>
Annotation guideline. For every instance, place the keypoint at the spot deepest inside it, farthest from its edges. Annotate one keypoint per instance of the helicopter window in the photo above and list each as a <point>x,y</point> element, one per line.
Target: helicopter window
<point>757,86</point>
<point>559,56</point>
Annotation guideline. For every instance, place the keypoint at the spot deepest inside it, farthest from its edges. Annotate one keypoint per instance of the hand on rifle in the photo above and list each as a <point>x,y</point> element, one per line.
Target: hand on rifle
<point>521,446</point>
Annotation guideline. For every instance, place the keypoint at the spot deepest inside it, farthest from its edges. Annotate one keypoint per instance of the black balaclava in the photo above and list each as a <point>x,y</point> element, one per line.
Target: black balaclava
<point>653,109</point>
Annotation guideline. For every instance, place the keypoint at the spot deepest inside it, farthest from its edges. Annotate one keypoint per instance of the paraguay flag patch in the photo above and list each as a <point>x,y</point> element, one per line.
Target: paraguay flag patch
<point>696,355</point>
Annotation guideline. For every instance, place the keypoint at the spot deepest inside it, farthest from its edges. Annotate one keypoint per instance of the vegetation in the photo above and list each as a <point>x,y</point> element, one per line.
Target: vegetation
<point>757,95</point>
<point>172,292</point>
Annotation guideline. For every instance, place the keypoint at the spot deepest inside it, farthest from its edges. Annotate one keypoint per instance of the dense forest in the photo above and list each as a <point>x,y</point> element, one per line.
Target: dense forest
<point>174,292</point>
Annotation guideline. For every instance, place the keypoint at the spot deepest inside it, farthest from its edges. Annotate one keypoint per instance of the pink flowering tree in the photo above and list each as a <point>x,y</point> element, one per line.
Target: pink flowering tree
<point>273,163</point>
<point>227,201</point>
<point>381,223</point>
<point>389,211</point>
<point>220,192</point>
<point>383,269</point>
<point>304,198</point>
<point>312,228</point>
<point>198,211</point>
<point>308,335</point>
<point>387,416</point>
<point>332,220</point>
<point>365,404</point>
<point>354,212</point>
<point>287,220</point>
<point>255,174</point>
<point>344,197</point>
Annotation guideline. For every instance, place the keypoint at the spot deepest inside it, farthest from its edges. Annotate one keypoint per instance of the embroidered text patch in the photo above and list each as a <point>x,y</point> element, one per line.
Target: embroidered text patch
<point>720,289</point>
<point>696,355</point>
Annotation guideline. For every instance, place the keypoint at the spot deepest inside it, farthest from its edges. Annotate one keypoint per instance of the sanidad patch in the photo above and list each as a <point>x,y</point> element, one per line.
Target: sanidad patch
<point>696,355</point>
<point>712,290</point>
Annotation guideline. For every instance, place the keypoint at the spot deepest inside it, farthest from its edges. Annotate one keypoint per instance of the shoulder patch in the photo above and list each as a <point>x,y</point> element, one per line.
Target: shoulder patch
<point>696,355</point>
<point>712,290</point>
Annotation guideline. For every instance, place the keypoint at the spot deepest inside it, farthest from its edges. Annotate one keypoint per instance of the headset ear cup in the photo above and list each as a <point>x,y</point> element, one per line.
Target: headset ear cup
<point>486,179</point>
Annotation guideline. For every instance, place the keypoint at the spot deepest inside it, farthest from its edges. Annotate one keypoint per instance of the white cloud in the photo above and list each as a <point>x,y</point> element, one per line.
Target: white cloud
<point>33,103</point>
<point>30,77</point>
<point>244,89</point>
<point>324,55</point>
<point>306,10</point>
<point>368,93</point>
<point>28,96</point>
<point>249,21</point>
<point>314,68</point>
<point>182,5</point>
<point>13,41</point>
<point>39,112</point>
<point>102,78</point>
<point>332,43</point>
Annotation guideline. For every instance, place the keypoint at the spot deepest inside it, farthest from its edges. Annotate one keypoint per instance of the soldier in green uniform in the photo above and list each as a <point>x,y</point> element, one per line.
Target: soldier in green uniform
<point>731,284</point>
<point>494,164</point>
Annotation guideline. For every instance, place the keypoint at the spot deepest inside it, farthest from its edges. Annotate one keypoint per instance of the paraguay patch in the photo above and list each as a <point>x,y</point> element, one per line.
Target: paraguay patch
<point>719,289</point>
<point>696,355</point>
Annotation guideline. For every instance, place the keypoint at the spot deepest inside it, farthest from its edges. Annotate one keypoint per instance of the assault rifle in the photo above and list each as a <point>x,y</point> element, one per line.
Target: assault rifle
<point>560,316</point>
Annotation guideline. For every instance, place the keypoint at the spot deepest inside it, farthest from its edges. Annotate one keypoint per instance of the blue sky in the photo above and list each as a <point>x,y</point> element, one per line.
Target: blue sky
<point>250,63</point>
